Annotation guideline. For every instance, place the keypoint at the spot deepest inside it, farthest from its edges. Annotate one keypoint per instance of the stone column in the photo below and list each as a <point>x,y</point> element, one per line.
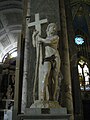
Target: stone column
<point>66,82</point>
<point>87,16</point>
<point>19,65</point>
<point>1,69</point>
<point>17,81</point>
<point>77,103</point>
<point>26,61</point>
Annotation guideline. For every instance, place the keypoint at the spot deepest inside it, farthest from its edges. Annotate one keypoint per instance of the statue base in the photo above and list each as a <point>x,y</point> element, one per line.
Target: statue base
<point>45,110</point>
<point>45,104</point>
<point>45,114</point>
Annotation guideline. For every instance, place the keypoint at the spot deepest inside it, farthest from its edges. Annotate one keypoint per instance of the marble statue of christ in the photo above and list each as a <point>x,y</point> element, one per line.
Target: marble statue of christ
<point>48,62</point>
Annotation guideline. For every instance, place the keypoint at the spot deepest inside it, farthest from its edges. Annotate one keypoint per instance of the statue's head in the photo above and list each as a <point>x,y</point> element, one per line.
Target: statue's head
<point>51,29</point>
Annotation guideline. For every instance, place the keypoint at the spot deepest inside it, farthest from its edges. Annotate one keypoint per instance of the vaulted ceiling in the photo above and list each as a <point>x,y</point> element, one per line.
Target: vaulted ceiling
<point>11,19</point>
<point>10,25</point>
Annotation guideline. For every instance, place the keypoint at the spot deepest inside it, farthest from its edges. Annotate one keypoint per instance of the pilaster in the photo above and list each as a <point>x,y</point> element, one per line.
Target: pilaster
<point>66,82</point>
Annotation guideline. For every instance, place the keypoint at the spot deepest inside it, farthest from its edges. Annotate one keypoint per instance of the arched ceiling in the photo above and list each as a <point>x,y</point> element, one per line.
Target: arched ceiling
<point>10,24</point>
<point>11,19</point>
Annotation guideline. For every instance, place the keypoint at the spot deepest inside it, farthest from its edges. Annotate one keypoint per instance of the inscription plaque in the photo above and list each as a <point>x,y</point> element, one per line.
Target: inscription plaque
<point>45,111</point>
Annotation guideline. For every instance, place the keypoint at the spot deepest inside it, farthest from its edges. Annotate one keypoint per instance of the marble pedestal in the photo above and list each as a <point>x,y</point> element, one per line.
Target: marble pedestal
<point>45,114</point>
<point>45,110</point>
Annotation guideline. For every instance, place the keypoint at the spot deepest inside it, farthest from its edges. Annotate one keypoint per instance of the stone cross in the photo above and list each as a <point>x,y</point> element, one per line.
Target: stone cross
<point>37,23</point>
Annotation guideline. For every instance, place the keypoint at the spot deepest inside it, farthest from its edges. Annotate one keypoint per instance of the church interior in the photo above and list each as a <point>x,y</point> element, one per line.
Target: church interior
<point>13,16</point>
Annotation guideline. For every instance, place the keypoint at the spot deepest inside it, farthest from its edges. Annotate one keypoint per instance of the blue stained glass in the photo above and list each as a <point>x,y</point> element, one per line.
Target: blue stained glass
<point>79,40</point>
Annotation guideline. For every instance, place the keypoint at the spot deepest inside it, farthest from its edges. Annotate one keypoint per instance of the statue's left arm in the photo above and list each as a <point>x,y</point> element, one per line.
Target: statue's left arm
<point>34,37</point>
<point>50,40</point>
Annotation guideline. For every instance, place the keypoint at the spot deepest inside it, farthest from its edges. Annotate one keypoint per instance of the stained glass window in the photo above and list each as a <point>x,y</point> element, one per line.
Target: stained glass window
<point>84,75</point>
<point>79,40</point>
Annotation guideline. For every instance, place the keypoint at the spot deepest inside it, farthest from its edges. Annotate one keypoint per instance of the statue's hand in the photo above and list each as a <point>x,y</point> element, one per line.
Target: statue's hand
<point>35,33</point>
<point>39,42</point>
<point>39,39</point>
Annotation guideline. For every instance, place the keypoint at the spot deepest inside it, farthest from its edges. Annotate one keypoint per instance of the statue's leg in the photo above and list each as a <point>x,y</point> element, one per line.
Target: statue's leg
<point>55,85</point>
<point>56,78</point>
<point>47,68</point>
<point>51,85</point>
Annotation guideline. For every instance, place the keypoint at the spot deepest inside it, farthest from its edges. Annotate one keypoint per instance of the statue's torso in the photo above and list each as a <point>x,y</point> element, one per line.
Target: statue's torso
<point>52,48</point>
